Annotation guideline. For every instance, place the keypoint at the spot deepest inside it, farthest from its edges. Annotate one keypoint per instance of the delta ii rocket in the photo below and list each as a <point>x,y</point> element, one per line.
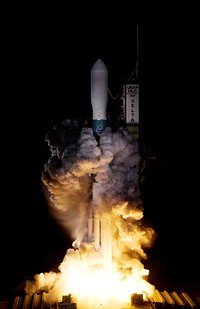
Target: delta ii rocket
<point>99,96</point>
<point>99,227</point>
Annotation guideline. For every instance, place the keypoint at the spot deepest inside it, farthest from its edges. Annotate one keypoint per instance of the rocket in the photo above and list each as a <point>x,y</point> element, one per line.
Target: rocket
<point>99,96</point>
<point>99,227</point>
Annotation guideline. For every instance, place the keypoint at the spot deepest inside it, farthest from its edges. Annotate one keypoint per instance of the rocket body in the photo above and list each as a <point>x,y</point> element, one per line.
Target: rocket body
<point>99,96</point>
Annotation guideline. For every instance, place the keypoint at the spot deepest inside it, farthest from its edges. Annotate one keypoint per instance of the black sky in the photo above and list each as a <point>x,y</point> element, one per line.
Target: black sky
<point>47,58</point>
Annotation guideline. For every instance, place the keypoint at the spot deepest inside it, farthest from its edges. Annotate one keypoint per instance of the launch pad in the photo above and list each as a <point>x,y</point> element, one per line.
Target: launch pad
<point>159,300</point>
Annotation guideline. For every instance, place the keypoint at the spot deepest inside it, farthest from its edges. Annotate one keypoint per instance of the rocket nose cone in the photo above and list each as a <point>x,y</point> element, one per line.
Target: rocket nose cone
<point>99,65</point>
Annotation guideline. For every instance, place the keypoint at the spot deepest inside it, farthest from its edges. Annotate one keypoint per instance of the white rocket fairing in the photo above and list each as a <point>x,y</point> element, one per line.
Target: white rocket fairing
<point>99,96</point>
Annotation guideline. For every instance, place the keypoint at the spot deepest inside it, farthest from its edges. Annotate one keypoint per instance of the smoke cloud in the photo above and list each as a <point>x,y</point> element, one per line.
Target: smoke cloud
<point>84,177</point>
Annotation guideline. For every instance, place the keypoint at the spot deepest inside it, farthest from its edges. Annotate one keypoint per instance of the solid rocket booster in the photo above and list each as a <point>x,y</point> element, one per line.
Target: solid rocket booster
<point>99,96</point>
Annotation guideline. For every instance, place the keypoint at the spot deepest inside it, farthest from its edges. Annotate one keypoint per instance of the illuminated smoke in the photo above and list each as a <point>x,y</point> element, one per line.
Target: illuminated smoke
<point>89,181</point>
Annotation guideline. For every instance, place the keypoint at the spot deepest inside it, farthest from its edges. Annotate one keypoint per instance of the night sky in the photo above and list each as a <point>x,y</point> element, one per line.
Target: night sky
<point>47,60</point>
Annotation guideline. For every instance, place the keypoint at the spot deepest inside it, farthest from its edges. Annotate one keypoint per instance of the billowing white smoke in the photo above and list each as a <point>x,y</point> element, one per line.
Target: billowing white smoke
<point>77,161</point>
<point>89,181</point>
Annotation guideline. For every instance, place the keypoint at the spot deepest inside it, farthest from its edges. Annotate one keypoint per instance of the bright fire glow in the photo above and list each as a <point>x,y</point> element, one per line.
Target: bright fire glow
<point>95,196</point>
<point>92,282</point>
